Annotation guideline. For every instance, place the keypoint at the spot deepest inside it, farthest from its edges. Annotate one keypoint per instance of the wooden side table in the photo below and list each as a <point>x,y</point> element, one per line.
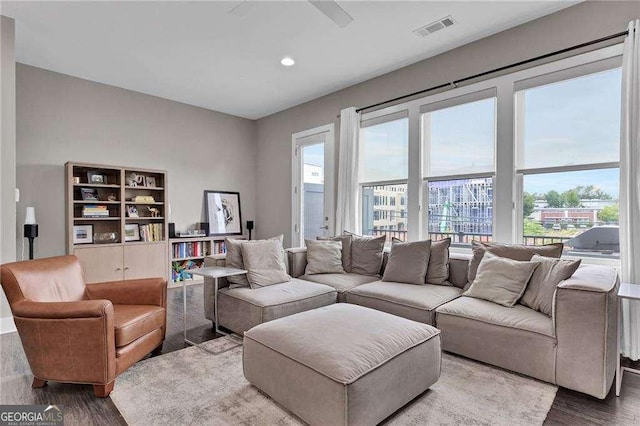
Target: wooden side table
<point>215,272</point>
<point>629,292</point>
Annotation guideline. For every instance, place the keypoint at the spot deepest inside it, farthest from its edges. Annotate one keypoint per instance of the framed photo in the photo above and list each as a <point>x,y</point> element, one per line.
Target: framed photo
<point>134,180</point>
<point>132,211</point>
<point>95,177</point>
<point>132,232</point>
<point>82,234</point>
<point>151,181</point>
<point>89,194</point>
<point>222,210</point>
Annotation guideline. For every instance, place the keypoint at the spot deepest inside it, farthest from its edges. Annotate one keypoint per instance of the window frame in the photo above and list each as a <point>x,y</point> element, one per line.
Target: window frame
<point>506,202</point>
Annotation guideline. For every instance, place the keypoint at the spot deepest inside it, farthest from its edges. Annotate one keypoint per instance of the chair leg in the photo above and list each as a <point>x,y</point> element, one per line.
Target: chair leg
<point>38,383</point>
<point>103,391</point>
<point>157,351</point>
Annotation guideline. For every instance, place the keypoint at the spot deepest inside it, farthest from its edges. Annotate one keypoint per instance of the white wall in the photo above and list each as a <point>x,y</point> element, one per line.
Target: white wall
<point>62,118</point>
<point>583,22</point>
<point>7,157</point>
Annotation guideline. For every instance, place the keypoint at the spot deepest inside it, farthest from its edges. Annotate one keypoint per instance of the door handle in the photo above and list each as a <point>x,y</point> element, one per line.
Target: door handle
<point>126,269</point>
<point>325,227</point>
<point>118,269</point>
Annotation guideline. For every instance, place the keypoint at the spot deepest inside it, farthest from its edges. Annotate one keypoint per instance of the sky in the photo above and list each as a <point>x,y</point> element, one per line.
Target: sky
<point>567,123</point>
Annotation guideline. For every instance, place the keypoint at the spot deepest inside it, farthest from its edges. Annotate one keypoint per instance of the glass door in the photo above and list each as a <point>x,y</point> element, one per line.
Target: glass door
<point>312,207</point>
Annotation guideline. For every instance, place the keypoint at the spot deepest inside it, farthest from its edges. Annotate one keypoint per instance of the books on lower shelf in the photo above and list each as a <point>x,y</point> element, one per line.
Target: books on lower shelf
<point>180,270</point>
<point>151,232</point>
<point>95,211</point>
<point>185,250</point>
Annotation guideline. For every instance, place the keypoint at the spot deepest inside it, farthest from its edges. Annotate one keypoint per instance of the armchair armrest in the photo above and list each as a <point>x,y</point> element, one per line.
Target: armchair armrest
<point>585,317</point>
<point>62,310</point>
<point>146,291</point>
<point>297,257</point>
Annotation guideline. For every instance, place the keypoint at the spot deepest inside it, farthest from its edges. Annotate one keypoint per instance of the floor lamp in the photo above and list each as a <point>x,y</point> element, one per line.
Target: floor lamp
<point>30,228</point>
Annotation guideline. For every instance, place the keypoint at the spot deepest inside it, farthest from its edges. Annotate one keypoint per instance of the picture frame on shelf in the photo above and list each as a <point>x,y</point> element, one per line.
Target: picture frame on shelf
<point>132,211</point>
<point>134,180</point>
<point>89,194</point>
<point>96,178</point>
<point>150,182</point>
<point>222,210</point>
<point>83,234</point>
<point>131,232</point>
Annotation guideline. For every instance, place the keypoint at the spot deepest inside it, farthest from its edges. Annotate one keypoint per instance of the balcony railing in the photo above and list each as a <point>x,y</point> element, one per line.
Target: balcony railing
<point>465,237</point>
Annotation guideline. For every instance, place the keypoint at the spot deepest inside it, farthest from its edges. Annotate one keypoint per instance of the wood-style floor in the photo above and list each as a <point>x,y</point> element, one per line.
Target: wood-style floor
<point>82,408</point>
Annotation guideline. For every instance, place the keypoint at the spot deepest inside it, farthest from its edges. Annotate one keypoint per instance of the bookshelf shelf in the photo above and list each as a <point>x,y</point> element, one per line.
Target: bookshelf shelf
<point>122,259</point>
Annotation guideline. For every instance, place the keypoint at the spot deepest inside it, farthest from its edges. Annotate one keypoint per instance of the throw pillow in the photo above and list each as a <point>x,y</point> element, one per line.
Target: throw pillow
<point>324,257</point>
<point>501,280</point>
<point>438,269</point>
<point>264,262</point>
<point>346,249</point>
<point>367,254</point>
<point>234,259</point>
<point>545,279</point>
<point>510,251</point>
<point>408,262</point>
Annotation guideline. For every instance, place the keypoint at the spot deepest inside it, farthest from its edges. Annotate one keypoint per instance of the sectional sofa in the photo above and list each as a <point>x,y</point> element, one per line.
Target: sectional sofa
<point>575,347</point>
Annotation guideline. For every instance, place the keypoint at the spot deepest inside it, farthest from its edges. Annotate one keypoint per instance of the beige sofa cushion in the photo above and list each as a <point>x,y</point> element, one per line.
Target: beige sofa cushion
<point>438,271</point>
<point>346,249</point>
<point>414,302</point>
<point>366,254</point>
<point>324,257</point>
<point>501,280</point>
<point>341,282</point>
<point>264,262</point>
<point>234,259</point>
<point>545,279</point>
<point>408,262</point>
<point>510,251</point>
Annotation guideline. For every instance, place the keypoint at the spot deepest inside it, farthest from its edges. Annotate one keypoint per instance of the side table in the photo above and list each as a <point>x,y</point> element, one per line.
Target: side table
<point>629,292</point>
<point>214,272</point>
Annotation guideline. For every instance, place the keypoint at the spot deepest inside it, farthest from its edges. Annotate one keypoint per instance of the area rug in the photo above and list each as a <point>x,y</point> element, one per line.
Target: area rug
<point>193,386</point>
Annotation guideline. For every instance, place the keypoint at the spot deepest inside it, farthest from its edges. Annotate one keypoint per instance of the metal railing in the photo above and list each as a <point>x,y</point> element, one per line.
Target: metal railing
<point>466,237</point>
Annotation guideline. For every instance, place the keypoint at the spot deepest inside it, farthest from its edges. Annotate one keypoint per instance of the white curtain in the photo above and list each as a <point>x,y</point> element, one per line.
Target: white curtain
<point>347,208</point>
<point>630,188</point>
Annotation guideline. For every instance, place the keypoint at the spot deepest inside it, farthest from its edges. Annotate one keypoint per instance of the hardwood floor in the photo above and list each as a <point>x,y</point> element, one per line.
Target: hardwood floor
<point>82,408</point>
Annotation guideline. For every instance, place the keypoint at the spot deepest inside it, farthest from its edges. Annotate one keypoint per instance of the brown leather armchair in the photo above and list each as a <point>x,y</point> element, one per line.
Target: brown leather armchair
<point>78,333</point>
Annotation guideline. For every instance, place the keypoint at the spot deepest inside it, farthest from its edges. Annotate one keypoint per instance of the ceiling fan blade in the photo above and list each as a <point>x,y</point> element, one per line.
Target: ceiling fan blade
<point>333,11</point>
<point>241,8</point>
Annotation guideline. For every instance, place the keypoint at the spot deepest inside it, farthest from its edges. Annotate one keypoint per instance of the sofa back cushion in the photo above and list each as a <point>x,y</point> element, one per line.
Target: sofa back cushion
<point>366,254</point>
<point>345,240</point>
<point>501,280</point>
<point>545,279</point>
<point>408,262</point>
<point>264,262</point>
<point>324,257</point>
<point>510,251</point>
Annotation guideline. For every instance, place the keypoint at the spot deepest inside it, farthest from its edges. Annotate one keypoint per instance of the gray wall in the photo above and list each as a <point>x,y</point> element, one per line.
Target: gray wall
<point>583,22</point>
<point>62,118</point>
<point>7,155</point>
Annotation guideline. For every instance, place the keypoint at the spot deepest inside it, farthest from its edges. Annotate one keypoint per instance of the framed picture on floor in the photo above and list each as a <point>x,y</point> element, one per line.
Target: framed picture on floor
<point>132,232</point>
<point>82,234</point>
<point>222,209</point>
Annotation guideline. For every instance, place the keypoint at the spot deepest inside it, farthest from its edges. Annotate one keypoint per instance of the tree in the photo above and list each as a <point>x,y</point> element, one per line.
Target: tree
<point>571,198</point>
<point>592,192</point>
<point>528,204</point>
<point>609,214</point>
<point>532,228</point>
<point>554,199</point>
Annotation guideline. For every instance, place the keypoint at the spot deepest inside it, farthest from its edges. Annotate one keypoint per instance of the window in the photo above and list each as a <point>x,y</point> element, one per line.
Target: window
<point>384,170</point>
<point>458,143</point>
<point>568,154</point>
<point>390,220</point>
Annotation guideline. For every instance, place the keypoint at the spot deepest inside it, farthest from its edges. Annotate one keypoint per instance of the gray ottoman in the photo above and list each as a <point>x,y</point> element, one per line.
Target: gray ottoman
<point>342,364</point>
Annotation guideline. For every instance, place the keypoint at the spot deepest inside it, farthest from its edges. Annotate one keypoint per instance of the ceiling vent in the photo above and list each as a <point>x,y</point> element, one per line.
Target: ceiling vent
<point>435,26</point>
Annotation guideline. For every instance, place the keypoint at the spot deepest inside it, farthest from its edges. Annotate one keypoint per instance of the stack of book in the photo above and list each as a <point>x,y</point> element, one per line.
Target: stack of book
<point>151,232</point>
<point>219,247</point>
<point>95,211</point>
<point>195,249</point>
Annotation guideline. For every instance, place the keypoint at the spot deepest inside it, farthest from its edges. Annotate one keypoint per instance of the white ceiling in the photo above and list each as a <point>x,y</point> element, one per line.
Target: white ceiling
<point>198,54</point>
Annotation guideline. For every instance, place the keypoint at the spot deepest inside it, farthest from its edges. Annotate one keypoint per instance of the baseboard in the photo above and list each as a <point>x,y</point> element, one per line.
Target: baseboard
<point>7,325</point>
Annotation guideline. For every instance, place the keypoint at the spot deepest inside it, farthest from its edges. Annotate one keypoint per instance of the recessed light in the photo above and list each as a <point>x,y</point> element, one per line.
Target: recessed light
<point>287,61</point>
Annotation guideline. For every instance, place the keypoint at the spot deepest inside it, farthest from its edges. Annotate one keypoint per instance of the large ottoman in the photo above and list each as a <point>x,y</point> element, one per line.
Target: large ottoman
<point>342,364</point>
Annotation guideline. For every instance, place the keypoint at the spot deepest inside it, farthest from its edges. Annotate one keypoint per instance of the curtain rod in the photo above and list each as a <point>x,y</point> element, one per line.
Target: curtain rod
<point>455,83</point>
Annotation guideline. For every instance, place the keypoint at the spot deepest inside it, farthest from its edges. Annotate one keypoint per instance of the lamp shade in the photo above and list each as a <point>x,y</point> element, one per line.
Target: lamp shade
<point>30,217</point>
